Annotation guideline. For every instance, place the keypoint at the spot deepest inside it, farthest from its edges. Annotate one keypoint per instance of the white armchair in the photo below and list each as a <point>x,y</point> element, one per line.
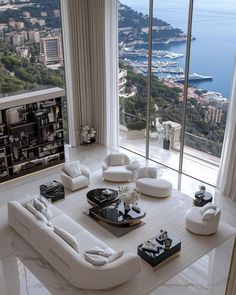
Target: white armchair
<point>118,168</point>
<point>203,220</point>
<point>75,176</point>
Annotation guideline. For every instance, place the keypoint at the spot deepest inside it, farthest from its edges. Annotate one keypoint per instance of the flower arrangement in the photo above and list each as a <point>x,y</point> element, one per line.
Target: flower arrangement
<point>128,195</point>
<point>87,134</point>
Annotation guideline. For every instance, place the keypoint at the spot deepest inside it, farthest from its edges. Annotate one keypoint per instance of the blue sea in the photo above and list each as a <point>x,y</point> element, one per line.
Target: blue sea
<point>213,52</point>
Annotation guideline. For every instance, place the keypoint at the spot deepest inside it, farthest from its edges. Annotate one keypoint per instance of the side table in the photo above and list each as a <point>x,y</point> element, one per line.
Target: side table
<point>53,191</point>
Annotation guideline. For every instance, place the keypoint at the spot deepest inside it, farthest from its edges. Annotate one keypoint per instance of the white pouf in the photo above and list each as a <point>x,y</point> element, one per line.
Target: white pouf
<point>159,188</point>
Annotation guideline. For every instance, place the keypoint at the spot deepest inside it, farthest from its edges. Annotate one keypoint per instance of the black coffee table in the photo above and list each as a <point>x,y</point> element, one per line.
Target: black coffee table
<point>115,214</point>
<point>97,197</point>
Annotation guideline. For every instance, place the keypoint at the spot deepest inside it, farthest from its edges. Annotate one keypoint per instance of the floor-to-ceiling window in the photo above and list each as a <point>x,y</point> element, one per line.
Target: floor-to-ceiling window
<point>173,106</point>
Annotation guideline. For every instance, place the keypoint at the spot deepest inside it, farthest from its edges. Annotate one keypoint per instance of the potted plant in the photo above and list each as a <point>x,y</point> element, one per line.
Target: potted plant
<point>166,135</point>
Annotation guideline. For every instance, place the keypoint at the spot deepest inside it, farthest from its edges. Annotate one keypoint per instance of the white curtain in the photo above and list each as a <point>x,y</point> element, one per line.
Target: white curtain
<point>226,182</point>
<point>89,71</point>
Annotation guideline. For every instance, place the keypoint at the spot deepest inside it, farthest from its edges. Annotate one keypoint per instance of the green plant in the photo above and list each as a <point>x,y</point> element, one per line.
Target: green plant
<point>136,125</point>
<point>166,131</point>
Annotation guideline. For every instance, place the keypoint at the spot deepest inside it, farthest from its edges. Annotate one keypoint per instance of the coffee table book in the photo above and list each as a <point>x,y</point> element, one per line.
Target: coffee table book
<point>155,258</point>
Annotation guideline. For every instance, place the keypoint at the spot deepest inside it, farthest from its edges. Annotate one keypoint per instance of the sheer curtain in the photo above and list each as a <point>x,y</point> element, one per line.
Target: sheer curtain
<point>91,67</point>
<point>226,182</point>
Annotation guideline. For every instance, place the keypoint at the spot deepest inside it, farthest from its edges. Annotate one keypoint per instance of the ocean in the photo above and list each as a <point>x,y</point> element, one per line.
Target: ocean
<point>213,52</point>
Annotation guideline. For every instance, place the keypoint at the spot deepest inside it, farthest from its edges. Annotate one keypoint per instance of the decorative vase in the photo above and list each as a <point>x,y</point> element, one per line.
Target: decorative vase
<point>166,144</point>
<point>126,208</point>
<point>92,140</point>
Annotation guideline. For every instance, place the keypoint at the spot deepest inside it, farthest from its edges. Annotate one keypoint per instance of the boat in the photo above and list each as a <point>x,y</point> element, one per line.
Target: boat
<point>192,77</point>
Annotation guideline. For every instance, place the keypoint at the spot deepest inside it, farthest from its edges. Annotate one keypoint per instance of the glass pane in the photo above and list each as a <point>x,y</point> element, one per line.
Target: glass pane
<point>168,63</point>
<point>211,67</point>
<point>30,46</point>
<point>133,38</point>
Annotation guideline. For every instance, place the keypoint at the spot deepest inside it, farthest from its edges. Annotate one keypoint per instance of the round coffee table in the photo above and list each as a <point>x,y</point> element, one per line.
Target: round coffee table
<point>114,213</point>
<point>101,196</point>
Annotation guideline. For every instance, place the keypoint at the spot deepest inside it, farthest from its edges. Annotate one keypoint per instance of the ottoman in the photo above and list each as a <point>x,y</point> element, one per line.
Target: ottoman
<point>153,187</point>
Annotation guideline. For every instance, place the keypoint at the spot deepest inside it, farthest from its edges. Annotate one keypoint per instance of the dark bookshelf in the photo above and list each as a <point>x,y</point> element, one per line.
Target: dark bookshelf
<point>31,138</point>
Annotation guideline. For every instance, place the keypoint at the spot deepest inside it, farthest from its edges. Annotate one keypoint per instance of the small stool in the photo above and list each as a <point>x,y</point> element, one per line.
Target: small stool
<point>159,188</point>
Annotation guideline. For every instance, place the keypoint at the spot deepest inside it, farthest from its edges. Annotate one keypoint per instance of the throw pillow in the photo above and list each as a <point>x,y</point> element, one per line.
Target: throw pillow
<point>116,160</point>
<point>207,207</point>
<point>96,260</point>
<point>38,205</point>
<point>47,213</point>
<point>208,215</point>
<point>72,169</point>
<point>99,251</point>
<point>37,214</point>
<point>43,200</point>
<point>133,165</point>
<point>31,208</point>
<point>67,237</point>
<point>142,172</point>
<point>115,256</point>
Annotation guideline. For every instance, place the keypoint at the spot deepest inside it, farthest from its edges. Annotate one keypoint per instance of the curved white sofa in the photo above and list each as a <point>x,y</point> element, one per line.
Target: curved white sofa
<point>69,263</point>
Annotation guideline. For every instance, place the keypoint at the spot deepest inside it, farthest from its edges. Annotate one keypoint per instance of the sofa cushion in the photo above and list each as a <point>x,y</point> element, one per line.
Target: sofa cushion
<point>72,169</point>
<point>208,215</point>
<point>36,213</point>
<point>115,256</point>
<point>47,213</point>
<point>99,251</point>
<point>116,160</point>
<point>38,204</point>
<point>65,222</point>
<point>96,260</point>
<point>117,173</point>
<point>88,241</point>
<point>207,207</point>
<point>67,237</point>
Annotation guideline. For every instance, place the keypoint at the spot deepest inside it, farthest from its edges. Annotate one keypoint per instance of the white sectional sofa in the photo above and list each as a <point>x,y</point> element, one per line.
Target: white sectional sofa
<point>69,263</point>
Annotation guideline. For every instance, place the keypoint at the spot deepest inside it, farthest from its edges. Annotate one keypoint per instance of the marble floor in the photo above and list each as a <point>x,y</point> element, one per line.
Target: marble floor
<point>23,271</point>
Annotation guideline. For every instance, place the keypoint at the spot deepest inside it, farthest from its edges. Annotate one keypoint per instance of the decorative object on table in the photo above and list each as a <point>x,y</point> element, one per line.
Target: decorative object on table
<point>203,220</point>
<point>52,191</point>
<point>128,196</point>
<point>202,197</point>
<point>117,167</point>
<point>166,135</point>
<point>159,249</point>
<point>101,196</point>
<point>87,135</point>
<point>75,176</point>
<point>148,184</point>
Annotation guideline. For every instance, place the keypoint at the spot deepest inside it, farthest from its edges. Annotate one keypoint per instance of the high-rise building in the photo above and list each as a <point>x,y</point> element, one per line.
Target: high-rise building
<point>213,115</point>
<point>34,36</point>
<point>50,49</point>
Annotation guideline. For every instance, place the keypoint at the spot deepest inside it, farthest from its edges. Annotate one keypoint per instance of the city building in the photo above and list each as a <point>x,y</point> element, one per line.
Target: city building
<point>34,36</point>
<point>51,51</point>
<point>19,25</point>
<point>213,115</point>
